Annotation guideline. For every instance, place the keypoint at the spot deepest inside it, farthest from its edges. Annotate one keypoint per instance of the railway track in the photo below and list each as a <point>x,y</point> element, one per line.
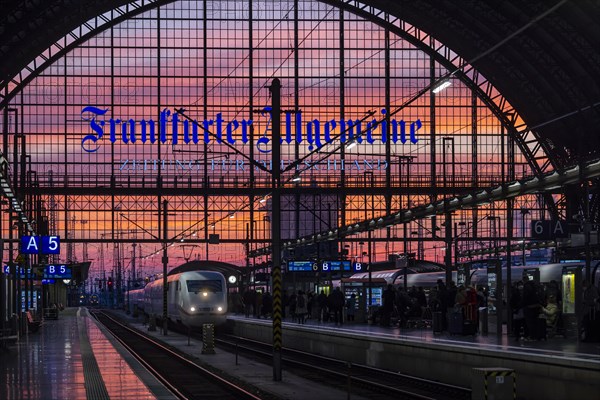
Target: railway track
<point>358,379</point>
<point>182,377</point>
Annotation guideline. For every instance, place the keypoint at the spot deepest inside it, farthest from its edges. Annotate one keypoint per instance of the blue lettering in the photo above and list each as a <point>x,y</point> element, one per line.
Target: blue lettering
<point>96,127</point>
<point>414,127</point>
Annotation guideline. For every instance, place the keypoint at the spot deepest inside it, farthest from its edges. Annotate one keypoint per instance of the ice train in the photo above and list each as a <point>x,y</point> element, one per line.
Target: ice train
<point>194,298</point>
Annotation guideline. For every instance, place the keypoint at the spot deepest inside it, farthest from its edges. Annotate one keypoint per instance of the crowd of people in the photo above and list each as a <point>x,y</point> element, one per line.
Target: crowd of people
<point>300,306</point>
<point>400,306</point>
<point>535,308</point>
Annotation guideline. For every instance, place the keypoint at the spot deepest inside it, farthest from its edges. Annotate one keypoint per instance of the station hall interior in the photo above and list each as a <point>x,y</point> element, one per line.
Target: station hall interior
<point>327,199</point>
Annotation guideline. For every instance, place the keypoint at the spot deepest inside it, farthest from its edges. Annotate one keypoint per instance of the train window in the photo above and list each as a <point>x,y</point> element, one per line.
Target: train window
<point>208,285</point>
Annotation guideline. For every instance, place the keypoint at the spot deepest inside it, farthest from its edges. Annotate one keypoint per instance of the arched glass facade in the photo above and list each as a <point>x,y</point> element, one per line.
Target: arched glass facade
<point>109,133</point>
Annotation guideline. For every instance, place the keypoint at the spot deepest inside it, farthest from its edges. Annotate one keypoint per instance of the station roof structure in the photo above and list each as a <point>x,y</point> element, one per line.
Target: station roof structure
<point>543,56</point>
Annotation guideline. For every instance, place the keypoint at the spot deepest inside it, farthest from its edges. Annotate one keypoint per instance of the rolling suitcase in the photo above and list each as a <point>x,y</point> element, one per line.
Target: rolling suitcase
<point>469,328</point>
<point>455,322</point>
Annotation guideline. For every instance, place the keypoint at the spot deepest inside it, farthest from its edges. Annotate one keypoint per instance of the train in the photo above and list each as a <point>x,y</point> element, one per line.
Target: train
<point>194,298</point>
<point>478,277</point>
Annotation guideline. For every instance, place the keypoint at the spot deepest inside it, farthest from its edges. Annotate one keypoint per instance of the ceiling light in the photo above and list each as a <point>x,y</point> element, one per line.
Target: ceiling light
<point>441,86</point>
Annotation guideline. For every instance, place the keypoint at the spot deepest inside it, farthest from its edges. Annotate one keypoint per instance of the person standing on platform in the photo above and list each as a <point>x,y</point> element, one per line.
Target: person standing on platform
<point>248,302</point>
<point>389,296</point>
<point>293,302</point>
<point>337,303</point>
<point>301,307</point>
<point>531,311</point>
<point>237,302</point>
<point>322,305</point>
<point>310,304</point>
<point>258,304</point>
<point>421,297</point>
<point>516,307</point>
<point>591,317</point>
<point>351,308</point>
<point>551,312</point>
<point>267,307</point>
<point>443,296</point>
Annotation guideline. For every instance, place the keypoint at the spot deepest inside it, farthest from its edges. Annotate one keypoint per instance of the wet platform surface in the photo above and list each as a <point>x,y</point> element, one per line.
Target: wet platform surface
<point>71,358</point>
<point>555,347</point>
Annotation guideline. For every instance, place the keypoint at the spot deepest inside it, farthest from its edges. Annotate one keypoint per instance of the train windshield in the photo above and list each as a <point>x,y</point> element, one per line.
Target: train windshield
<point>213,286</point>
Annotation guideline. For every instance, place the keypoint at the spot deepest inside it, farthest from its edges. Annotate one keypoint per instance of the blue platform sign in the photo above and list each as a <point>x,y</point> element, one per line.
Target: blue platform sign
<point>58,271</point>
<point>357,267</point>
<point>30,244</point>
<point>50,244</point>
<point>336,265</point>
<point>29,274</point>
<point>302,266</point>
<point>48,281</point>
<point>40,244</point>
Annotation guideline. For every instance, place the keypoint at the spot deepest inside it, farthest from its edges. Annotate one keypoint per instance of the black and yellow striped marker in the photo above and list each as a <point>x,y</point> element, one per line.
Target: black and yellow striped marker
<point>503,374</point>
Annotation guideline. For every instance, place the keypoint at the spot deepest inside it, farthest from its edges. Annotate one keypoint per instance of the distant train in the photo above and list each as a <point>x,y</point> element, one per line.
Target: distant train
<point>478,277</point>
<point>193,298</point>
<point>548,272</point>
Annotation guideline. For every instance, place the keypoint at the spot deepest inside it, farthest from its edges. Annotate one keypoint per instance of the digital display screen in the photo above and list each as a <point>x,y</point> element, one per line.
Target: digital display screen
<point>58,271</point>
<point>7,269</point>
<point>302,266</point>
<point>376,296</point>
<point>568,290</point>
<point>336,265</point>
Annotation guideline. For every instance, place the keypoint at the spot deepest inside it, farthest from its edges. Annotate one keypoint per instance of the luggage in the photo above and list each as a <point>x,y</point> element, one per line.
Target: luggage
<point>469,328</point>
<point>457,325</point>
<point>455,322</point>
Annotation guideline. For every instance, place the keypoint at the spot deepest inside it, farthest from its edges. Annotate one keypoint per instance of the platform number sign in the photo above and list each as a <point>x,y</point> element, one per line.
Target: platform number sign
<point>40,245</point>
<point>357,267</point>
<point>50,245</point>
<point>58,271</point>
<point>549,229</point>
<point>30,245</point>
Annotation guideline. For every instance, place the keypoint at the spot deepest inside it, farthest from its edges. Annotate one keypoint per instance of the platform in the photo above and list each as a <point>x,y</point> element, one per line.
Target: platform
<point>72,358</point>
<point>554,369</point>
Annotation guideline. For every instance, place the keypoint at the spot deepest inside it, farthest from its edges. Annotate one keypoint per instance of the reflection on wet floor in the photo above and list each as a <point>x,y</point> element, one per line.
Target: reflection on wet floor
<point>48,364</point>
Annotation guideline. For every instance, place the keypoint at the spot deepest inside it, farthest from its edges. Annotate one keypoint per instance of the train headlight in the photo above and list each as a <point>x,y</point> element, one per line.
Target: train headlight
<point>204,294</point>
<point>219,309</point>
<point>193,309</point>
<point>232,279</point>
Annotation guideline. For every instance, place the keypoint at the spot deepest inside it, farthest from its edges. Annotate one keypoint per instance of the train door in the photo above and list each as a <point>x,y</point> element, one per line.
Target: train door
<point>571,299</point>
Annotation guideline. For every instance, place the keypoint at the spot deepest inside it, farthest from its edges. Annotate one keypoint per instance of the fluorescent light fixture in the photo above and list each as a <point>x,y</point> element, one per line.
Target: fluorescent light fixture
<point>296,177</point>
<point>263,200</point>
<point>232,215</point>
<point>441,86</point>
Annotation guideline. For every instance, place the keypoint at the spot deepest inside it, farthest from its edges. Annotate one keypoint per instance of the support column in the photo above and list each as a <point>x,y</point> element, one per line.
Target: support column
<point>165,261</point>
<point>448,242</point>
<point>275,90</point>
